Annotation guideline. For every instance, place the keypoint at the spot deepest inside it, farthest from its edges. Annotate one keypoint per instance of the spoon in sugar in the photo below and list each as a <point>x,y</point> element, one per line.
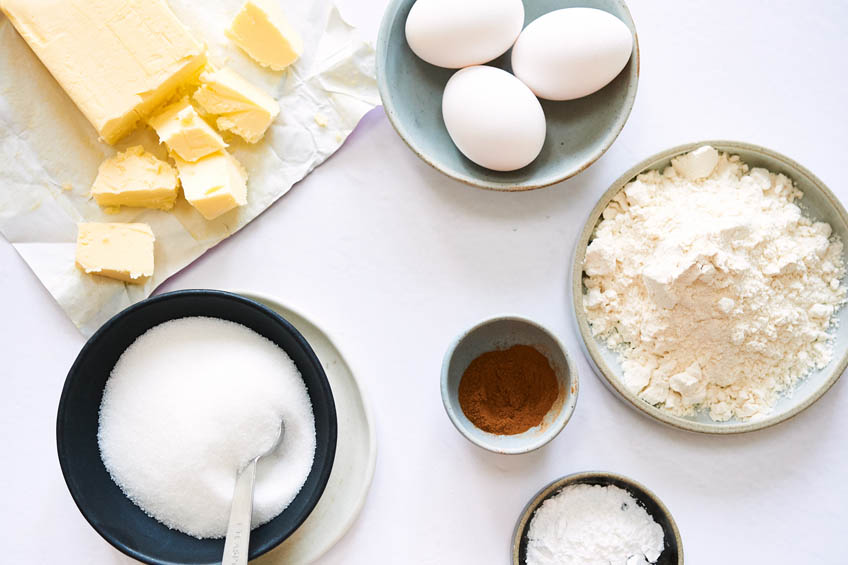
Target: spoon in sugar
<point>238,528</point>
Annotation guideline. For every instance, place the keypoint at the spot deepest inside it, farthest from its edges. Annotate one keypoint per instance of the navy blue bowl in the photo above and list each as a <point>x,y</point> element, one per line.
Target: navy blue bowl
<point>107,509</point>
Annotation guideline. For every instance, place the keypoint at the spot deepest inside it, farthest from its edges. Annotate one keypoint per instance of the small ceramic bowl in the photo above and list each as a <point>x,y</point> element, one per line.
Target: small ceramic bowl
<point>107,509</point>
<point>579,131</point>
<point>500,333</point>
<point>672,553</point>
<point>818,202</point>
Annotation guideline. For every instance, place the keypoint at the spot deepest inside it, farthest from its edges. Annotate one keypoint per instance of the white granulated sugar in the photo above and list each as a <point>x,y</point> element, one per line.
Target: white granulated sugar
<point>190,402</point>
<point>593,525</point>
<point>715,289</point>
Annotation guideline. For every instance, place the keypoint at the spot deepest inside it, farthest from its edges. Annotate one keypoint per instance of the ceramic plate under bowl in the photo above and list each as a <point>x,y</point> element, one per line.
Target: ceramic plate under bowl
<point>818,203</point>
<point>356,450</point>
<point>672,553</point>
<point>107,509</point>
<point>579,131</point>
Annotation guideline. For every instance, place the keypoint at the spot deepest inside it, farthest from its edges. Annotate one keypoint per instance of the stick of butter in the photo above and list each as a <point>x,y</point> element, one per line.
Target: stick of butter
<point>136,178</point>
<point>185,133</point>
<point>262,31</point>
<point>118,251</point>
<point>241,107</point>
<point>117,59</point>
<point>214,184</point>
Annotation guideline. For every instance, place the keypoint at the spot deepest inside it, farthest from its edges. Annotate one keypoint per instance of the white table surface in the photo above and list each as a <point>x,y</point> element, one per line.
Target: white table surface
<point>394,260</point>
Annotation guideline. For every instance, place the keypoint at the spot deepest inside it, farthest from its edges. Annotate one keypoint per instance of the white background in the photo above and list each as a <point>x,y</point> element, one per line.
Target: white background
<point>393,260</point>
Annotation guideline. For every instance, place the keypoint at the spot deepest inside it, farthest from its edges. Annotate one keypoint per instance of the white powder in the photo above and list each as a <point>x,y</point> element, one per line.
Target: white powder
<point>712,285</point>
<point>189,403</point>
<point>593,525</point>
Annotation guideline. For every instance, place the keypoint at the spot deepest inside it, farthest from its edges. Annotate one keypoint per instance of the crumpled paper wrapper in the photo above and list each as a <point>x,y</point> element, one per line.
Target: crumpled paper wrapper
<point>50,153</point>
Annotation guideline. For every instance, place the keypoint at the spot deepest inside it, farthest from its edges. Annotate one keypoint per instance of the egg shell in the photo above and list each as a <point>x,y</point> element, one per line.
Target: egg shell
<point>493,118</point>
<point>571,53</point>
<point>461,33</point>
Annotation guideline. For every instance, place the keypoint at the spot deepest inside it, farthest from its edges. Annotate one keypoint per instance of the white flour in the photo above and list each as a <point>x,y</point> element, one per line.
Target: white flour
<point>593,525</point>
<point>712,285</point>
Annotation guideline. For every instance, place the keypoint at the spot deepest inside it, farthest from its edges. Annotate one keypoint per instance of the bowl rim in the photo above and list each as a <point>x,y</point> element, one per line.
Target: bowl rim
<point>64,456</point>
<point>569,402</point>
<point>584,477</point>
<point>391,13</point>
<point>591,347</point>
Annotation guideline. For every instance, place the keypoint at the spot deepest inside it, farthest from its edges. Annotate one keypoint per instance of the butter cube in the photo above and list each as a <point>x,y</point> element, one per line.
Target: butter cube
<point>241,107</point>
<point>116,59</point>
<point>214,184</point>
<point>184,131</point>
<point>118,251</point>
<point>135,178</point>
<point>263,32</point>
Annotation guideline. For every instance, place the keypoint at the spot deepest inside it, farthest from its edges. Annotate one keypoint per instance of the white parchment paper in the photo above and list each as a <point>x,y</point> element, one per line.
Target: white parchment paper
<point>50,153</point>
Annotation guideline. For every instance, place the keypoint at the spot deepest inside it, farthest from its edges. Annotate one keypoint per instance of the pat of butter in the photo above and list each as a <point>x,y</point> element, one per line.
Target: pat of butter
<point>214,185</point>
<point>185,133</point>
<point>241,107</point>
<point>118,251</point>
<point>262,31</point>
<point>135,178</point>
<point>117,59</point>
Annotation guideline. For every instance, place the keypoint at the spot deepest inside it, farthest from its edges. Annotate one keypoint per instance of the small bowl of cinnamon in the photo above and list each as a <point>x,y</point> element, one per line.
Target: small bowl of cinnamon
<point>508,385</point>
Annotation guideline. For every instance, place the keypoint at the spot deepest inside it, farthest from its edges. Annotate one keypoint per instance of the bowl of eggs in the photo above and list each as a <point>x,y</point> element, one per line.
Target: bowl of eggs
<point>504,94</point>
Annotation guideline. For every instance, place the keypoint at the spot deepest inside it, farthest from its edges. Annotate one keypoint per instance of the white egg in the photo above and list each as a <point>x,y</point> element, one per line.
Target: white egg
<point>460,33</point>
<point>571,53</point>
<point>493,118</point>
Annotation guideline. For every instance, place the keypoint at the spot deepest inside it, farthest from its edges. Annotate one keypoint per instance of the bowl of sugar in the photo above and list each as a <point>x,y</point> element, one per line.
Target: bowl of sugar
<point>168,400</point>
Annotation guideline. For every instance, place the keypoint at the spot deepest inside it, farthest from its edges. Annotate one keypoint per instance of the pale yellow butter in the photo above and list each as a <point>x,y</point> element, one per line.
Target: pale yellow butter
<point>184,131</point>
<point>262,31</point>
<point>118,251</point>
<point>117,59</point>
<point>135,178</point>
<point>240,107</point>
<point>214,184</point>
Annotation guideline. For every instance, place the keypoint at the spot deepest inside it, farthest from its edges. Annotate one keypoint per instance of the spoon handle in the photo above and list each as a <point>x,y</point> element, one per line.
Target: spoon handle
<point>238,528</point>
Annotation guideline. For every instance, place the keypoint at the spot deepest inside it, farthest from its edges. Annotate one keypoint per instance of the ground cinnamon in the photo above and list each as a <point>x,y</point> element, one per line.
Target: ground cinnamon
<point>508,391</point>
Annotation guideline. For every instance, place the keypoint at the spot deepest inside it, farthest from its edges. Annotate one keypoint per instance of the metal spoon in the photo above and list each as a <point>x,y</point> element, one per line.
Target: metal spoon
<point>238,528</point>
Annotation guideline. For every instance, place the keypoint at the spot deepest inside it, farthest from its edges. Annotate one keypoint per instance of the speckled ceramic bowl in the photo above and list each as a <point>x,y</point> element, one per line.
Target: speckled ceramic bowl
<point>579,131</point>
<point>671,555</point>
<point>818,202</point>
<point>500,333</point>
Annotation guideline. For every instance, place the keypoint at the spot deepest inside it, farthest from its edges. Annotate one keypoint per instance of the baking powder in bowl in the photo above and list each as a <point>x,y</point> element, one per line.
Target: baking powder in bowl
<point>713,286</point>
<point>189,403</point>
<point>593,525</point>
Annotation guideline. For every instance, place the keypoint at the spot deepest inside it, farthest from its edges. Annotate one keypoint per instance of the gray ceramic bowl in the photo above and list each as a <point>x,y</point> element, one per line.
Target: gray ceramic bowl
<point>818,202</point>
<point>500,333</point>
<point>671,555</point>
<point>579,131</point>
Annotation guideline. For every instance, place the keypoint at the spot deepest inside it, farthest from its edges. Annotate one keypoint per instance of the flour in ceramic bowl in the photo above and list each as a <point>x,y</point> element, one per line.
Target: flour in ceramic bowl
<point>713,286</point>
